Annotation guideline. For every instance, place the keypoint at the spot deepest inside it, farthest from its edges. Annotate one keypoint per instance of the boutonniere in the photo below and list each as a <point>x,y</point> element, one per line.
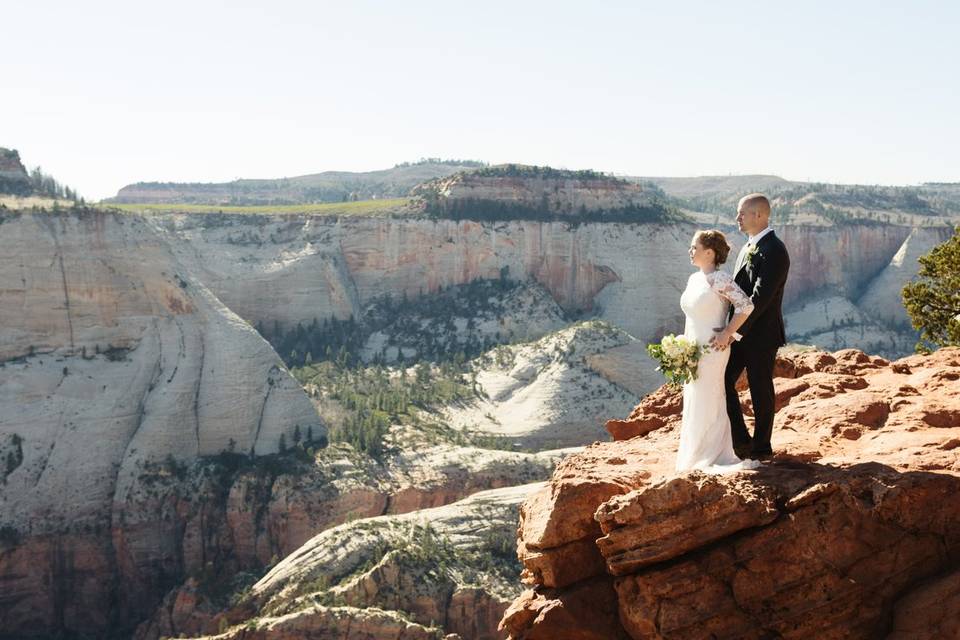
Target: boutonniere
<point>748,260</point>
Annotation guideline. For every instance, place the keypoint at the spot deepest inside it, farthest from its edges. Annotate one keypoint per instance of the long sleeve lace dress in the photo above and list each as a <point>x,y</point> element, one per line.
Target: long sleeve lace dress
<point>705,439</point>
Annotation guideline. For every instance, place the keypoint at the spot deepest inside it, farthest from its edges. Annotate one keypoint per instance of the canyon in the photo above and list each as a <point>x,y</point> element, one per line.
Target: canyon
<point>144,418</point>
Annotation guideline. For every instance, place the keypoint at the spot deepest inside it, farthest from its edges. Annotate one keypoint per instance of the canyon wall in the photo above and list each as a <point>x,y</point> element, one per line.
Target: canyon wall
<point>289,269</point>
<point>114,359</point>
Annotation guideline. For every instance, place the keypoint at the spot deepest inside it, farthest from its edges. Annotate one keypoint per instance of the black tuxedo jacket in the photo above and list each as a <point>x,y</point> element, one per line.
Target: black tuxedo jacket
<point>763,277</point>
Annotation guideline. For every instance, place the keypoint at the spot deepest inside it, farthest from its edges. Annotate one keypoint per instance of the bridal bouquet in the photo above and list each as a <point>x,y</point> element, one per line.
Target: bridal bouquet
<point>678,357</point>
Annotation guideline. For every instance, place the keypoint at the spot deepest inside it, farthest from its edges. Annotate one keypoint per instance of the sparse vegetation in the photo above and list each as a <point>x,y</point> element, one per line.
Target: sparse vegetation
<point>452,163</point>
<point>431,340</point>
<point>547,173</point>
<point>16,181</point>
<point>374,398</point>
<point>43,184</point>
<point>933,300</point>
<point>500,210</point>
<point>382,207</point>
<point>11,455</point>
<point>435,202</point>
<point>421,549</point>
<point>436,328</point>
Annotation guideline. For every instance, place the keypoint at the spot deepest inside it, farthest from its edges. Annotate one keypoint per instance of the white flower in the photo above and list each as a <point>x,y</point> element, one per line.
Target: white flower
<point>752,251</point>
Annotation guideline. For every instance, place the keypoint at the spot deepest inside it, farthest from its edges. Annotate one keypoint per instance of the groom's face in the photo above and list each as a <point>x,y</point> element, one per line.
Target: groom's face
<point>748,219</point>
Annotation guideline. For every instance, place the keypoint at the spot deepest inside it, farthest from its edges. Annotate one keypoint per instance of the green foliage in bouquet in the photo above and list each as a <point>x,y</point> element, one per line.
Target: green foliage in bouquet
<point>678,357</point>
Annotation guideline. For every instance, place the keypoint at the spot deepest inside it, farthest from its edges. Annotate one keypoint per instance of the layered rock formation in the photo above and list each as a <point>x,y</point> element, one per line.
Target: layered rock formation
<point>870,317</point>
<point>851,531</point>
<point>462,319</point>
<point>440,571</point>
<point>553,392</point>
<point>544,190</point>
<point>290,269</point>
<point>113,358</point>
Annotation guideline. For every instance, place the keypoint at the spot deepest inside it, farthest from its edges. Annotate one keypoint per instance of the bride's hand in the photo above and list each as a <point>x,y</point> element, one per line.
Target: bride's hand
<point>721,341</point>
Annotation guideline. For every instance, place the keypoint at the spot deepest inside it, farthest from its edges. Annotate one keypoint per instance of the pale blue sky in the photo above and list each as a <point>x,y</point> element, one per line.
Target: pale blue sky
<point>102,93</point>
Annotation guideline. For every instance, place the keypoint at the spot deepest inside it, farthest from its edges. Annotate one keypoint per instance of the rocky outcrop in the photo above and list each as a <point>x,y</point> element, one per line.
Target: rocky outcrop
<point>832,560</point>
<point>851,531</point>
<point>250,519</point>
<point>335,623</point>
<point>550,393</point>
<point>561,193</point>
<point>13,175</point>
<point>445,570</point>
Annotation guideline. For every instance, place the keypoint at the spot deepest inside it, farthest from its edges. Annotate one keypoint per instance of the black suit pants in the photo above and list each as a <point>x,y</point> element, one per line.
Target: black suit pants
<point>759,365</point>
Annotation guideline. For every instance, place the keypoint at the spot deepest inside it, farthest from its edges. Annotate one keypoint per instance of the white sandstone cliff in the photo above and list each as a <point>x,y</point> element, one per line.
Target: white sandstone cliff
<point>114,357</point>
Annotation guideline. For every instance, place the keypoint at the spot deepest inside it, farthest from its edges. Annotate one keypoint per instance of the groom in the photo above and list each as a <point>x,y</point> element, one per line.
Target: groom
<point>761,271</point>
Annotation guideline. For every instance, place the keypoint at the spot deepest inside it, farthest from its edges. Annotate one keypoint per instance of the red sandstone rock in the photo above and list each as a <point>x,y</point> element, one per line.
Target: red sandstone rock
<point>666,520</point>
<point>472,613</point>
<point>831,566</point>
<point>586,611</point>
<point>929,612</point>
<point>815,544</point>
<point>563,512</point>
<point>183,611</point>
<point>655,411</point>
<point>563,565</point>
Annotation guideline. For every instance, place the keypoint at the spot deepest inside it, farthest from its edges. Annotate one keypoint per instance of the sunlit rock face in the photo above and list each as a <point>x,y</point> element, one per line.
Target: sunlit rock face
<point>114,357</point>
<point>439,573</point>
<point>290,269</point>
<point>882,297</point>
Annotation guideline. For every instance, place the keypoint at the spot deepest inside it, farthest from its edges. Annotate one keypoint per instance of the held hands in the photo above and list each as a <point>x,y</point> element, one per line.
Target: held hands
<point>722,340</point>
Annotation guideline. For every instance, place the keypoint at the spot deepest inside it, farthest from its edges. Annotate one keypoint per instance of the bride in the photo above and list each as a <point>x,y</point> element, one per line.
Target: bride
<point>705,439</point>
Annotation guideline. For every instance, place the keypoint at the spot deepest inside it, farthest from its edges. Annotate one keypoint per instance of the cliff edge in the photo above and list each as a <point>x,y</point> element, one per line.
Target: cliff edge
<point>851,531</point>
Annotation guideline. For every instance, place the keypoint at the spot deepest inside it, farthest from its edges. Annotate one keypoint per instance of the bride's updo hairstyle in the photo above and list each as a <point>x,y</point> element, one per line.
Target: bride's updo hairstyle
<point>713,239</point>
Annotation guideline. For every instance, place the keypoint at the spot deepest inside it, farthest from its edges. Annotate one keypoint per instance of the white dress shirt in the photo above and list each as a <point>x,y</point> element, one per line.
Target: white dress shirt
<point>755,239</point>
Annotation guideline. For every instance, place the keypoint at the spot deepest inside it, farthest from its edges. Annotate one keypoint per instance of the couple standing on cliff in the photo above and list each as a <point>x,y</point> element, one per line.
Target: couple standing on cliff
<point>740,318</point>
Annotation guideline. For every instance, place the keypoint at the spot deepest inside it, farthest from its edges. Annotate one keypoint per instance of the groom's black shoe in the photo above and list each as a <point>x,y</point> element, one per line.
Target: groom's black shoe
<point>761,455</point>
<point>743,449</point>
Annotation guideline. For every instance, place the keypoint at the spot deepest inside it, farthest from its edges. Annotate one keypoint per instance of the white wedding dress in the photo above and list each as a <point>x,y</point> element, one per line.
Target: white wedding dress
<point>705,439</point>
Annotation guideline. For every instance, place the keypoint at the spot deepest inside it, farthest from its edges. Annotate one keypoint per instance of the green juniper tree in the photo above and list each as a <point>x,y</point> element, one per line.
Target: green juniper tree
<point>933,299</point>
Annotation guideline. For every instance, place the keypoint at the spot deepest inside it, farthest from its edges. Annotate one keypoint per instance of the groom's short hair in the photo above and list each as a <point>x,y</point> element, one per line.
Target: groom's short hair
<point>756,201</point>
